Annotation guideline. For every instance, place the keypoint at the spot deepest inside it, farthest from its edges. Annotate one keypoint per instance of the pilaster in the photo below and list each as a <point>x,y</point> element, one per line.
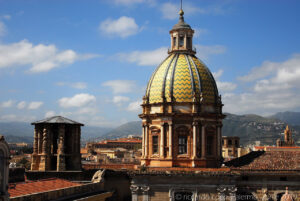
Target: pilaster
<point>61,166</point>
<point>170,140</point>
<point>146,140</point>
<point>195,136</point>
<point>143,141</point>
<point>203,143</point>
<point>162,136</point>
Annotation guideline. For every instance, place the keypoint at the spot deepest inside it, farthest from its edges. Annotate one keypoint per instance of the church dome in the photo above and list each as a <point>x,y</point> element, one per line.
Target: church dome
<point>183,77</point>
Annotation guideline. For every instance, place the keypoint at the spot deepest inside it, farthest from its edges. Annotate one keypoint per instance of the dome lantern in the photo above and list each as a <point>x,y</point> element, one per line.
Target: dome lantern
<point>182,37</point>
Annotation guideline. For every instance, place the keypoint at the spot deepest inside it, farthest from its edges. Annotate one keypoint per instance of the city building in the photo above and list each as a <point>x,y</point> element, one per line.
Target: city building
<point>288,139</point>
<point>288,144</point>
<point>230,146</point>
<point>4,170</point>
<point>56,145</point>
<point>130,143</point>
<point>182,109</point>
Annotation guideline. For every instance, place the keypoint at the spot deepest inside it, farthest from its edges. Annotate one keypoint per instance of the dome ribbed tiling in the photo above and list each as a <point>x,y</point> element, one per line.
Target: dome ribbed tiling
<point>183,77</point>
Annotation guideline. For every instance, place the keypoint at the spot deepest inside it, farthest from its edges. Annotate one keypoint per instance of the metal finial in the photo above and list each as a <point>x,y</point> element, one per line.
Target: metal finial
<point>180,4</point>
<point>181,13</point>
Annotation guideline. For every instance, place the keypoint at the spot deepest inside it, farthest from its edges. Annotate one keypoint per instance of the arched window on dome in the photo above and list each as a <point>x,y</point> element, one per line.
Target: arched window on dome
<point>181,41</point>
<point>174,42</point>
<point>188,42</point>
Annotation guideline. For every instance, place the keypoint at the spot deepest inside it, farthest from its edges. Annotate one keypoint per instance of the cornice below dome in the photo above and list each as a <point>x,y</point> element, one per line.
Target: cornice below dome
<point>182,78</point>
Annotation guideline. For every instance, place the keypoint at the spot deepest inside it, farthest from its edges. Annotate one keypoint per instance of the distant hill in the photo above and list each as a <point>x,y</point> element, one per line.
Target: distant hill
<point>16,129</point>
<point>23,132</point>
<point>292,118</point>
<point>130,128</point>
<point>249,128</point>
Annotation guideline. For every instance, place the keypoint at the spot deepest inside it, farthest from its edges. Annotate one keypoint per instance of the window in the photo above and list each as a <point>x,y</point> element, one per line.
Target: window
<point>174,41</point>
<point>155,144</point>
<point>181,41</point>
<point>182,144</point>
<point>229,142</point>
<point>188,42</point>
<point>236,143</point>
<point>210,145</point>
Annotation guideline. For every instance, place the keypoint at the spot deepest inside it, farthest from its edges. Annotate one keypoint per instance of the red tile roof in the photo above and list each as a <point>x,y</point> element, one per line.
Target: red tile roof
<point>30,187</point>
<point>267,161</point>
<point>122,140</point>
<point>270,147</point>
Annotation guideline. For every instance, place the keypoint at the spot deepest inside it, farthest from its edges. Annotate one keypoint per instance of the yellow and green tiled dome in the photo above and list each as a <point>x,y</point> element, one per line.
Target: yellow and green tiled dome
<point>183,77</point>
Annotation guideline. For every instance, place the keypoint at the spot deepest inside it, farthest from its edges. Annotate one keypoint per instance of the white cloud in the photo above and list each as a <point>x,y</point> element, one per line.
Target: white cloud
<point>145,58</point>
<point>18,118</point>
<point>120,99</point>
<point>218,74</point>
<point>21,105</point>
<point>275,88</point>
<point>226,86</point>
<point>155,57</point>
<point>199,32</point>
<point>135,106</point>
<point>49,114</point>
<point>7,104</point>
<point>76,85</point>
<point>223,86</point>
<point>87,110</point>
<point>2,29</point>
<point>122,27</point>
<point>6,17</point>
<point>287,71</point>
<point>40,58</point>
<point>77,100</point>
<point>272,75</point>
<point>204,51</point>
<point>35,105</point>
<point>120,86</point>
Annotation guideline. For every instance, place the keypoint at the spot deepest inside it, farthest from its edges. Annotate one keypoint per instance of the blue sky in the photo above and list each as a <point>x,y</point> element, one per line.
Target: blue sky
<point>91,60</point>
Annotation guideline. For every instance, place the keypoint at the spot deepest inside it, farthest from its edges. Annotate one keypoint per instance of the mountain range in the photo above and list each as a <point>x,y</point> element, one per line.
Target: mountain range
<point>249,128</point>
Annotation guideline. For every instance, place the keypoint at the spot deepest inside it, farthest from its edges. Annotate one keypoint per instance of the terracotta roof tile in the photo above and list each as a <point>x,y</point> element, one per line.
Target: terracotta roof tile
<point>30,187</point>
<point>267,161</point>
